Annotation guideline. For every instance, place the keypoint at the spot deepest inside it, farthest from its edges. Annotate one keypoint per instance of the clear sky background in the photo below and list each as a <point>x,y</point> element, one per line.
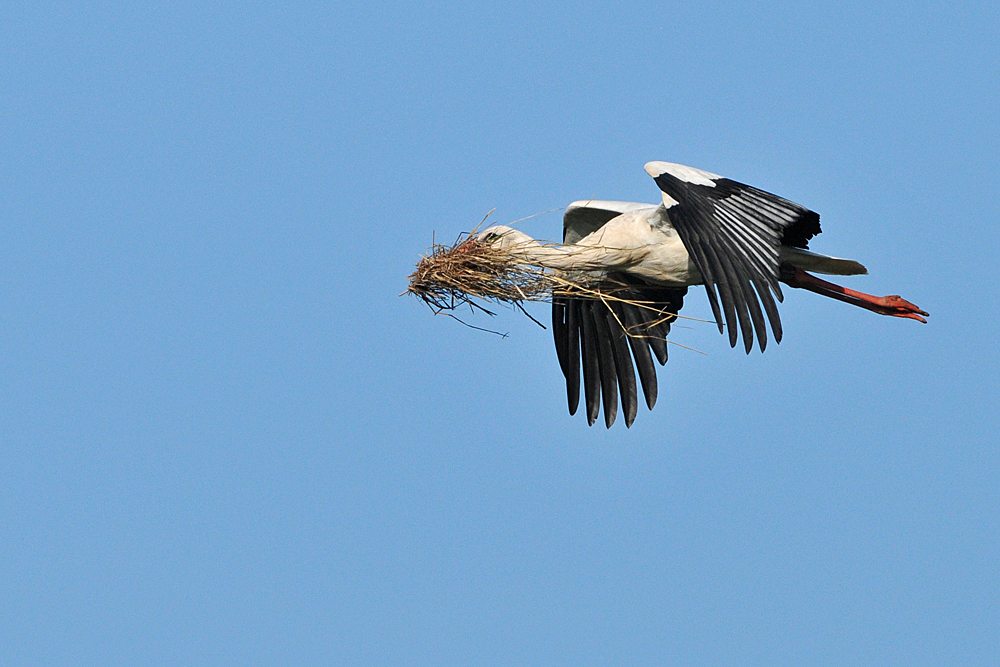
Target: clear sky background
<point>224,439</point>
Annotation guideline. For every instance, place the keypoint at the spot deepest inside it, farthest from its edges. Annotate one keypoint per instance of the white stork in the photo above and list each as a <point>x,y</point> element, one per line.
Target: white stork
<point>738,241</point>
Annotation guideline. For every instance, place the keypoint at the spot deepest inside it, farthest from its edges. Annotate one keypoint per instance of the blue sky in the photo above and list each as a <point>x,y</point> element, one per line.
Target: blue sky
<point>226,440</point>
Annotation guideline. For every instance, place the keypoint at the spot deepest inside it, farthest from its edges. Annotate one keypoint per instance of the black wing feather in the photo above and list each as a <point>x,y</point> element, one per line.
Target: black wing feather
<point>573,358</point>
<point>560,333</point>
<point>640,351</point>
<point>591,367</point>
<point>565,331</point>
<point>623,365</point>
<point>606,360</point>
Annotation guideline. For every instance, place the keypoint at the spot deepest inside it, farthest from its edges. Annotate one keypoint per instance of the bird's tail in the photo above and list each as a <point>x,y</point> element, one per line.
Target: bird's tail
<point>817,263</point>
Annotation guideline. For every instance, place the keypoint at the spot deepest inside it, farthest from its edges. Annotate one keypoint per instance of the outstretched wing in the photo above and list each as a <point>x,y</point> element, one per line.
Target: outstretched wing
<point>591,333</point>
<point>733,232</point>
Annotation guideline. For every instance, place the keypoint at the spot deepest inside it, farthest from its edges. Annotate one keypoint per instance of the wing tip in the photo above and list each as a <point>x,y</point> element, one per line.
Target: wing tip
<point>655,168</point>
<point>681,172</point>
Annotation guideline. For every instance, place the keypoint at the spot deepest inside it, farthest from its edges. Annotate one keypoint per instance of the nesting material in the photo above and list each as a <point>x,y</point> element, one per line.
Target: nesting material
<point>452,276</point>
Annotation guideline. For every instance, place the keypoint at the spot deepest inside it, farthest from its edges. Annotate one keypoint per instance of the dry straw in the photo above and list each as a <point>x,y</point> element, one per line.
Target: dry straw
<point>452,276</point>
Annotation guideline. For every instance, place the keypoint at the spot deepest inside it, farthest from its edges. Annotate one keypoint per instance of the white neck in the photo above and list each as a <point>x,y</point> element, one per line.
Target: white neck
<point>572,257</point>
<point>561,256</point>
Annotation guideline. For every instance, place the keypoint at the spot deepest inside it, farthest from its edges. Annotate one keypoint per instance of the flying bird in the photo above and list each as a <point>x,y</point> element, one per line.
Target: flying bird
<point>736,240</point>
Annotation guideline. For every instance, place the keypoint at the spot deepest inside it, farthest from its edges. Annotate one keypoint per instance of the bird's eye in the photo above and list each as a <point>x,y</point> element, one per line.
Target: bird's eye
<point>491,237</point>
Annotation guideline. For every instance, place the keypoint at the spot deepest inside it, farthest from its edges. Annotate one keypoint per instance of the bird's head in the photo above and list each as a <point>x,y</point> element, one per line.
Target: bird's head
<point>502,237</point>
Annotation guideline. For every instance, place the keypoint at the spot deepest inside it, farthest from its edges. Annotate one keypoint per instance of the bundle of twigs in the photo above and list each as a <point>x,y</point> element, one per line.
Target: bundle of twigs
<point>451,276</point>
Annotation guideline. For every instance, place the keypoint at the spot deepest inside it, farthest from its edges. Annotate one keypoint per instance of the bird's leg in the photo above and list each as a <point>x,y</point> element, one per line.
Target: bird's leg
<point>894,305</point>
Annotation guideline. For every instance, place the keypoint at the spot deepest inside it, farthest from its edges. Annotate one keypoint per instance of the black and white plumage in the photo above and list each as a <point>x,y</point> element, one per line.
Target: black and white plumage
<point>733,233</point>
<point>737,240</point>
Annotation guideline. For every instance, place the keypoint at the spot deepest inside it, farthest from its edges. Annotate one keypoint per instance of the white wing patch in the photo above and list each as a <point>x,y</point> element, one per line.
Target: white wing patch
<point>681,172</point>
